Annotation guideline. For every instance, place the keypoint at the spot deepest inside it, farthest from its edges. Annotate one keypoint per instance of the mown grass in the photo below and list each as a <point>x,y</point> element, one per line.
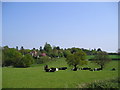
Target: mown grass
<point>111,56</point>
<point>35,77</point>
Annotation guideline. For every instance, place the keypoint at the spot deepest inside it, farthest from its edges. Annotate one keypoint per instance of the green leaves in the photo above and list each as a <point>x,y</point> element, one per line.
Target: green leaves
<point>101,58</point>
<point>25,61</point>
<point>12,57</point>
<point>77,58</point>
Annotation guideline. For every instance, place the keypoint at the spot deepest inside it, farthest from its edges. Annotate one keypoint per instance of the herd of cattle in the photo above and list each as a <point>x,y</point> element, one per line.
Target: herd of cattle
<point>74,69</point>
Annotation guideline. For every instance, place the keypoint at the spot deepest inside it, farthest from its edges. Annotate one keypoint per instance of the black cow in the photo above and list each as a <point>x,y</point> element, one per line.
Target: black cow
<point>113,69</point>
<point>74,69</point>
<point>45,67</point>
<point>62,68</point>
<point>50,70</point>
<point>97,69</point>
<point>86,68</point>
<point>47,70</point>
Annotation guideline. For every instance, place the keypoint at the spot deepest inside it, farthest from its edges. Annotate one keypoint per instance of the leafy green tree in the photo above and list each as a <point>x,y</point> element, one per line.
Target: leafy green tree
<point>25,61</point>
<point>60,53</point>
<point>16,47</point>
<point>22,50</point>
<point>54,52</point>
<point>99,50</point>
<point>48,49</point>
<point>41,49</point>
<point>66,53</point>
<point>78,58</point>
<point>43,59</point>
<point>74,50</point>
<point>101,58</point>
<point>9,56</point>
<point>58,48</point>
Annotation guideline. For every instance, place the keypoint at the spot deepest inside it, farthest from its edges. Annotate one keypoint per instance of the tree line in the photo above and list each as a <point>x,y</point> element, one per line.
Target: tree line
<point>25,57</point>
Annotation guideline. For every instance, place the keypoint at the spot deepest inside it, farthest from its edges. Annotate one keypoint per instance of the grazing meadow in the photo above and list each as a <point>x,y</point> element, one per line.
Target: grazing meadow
<point>36,77</point>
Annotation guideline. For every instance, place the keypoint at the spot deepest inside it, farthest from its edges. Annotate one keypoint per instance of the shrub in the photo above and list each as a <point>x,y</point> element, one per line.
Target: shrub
<point>26,61</point>
<point>43,59</point>
<point>112,83</point>
<point>10,56</point>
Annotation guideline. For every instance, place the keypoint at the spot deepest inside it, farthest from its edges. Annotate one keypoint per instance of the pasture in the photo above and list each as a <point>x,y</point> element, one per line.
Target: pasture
<point>111,56</point>
<point>35,77</point>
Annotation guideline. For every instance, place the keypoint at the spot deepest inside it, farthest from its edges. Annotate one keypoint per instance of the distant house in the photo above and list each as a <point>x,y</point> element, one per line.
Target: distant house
<point>43,54</point>
<point>34,53</point>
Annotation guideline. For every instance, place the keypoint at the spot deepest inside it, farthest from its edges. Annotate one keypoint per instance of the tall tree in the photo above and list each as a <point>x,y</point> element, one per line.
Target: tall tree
<point>99,50</point>
<point>78,58</point>
<point>25,61</point>
<point>41,49</point>
<point>9,56</point>
<point>101,58</point>
<point>22,50</point>
<point>48,48</point>
<point>16,47</point>
<point>66,53</point>
<point>54,52</point>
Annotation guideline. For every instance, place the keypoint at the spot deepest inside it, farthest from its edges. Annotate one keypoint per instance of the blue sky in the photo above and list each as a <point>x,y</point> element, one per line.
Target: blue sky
<point>65,24</point>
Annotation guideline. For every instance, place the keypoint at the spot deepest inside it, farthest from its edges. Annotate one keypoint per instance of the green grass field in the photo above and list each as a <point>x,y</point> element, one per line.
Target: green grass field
<point>35,77</point>
<point>111,56</point>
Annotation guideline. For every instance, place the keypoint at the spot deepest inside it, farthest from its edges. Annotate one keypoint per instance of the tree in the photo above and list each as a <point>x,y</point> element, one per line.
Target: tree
<point>78,58</point>
<point>41,49</point>
<point>99,50</point>
<point>16,47</point>
<point>22,50</point>
<point>54,52</point>
<point>74,50</point>
<point>58,48</point>
<point>25,61</point>
<point>60,53</point>
<point>43,59</point>
<point>66,53</point>
<point>48,49</point>
<point>101,58</point>
<point>9,56</point>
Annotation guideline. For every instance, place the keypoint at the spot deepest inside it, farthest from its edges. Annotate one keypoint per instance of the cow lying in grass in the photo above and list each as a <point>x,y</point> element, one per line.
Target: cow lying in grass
<point>96,69</point>
<point>62,68</point>
<point>113,69</point>
<point>86,68</point>
<point>53,69</point>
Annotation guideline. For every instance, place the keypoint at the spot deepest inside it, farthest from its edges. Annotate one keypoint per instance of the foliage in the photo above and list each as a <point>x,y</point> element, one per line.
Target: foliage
<point>54,52</point>
<point>43,59</point>
<point>12,57</point>
<point>25,61</point>
<point>100,84</point>
<point>101,58</point>
<point>48,49</point>
<point>99,50</point>
<point>78,58</point>
<point>66,53</point>
<point>74,50</point>
<point>9,56</point>
<point>60,53</point>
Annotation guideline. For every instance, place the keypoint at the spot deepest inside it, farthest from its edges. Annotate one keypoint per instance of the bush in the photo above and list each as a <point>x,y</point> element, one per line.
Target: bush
<point>26,61</point>
<point>112,83</point>
<point>43,59</point>
<point>10,56</point>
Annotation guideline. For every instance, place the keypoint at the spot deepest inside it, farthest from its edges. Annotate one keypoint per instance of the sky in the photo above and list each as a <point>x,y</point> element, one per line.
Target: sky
<point>66,24</point>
